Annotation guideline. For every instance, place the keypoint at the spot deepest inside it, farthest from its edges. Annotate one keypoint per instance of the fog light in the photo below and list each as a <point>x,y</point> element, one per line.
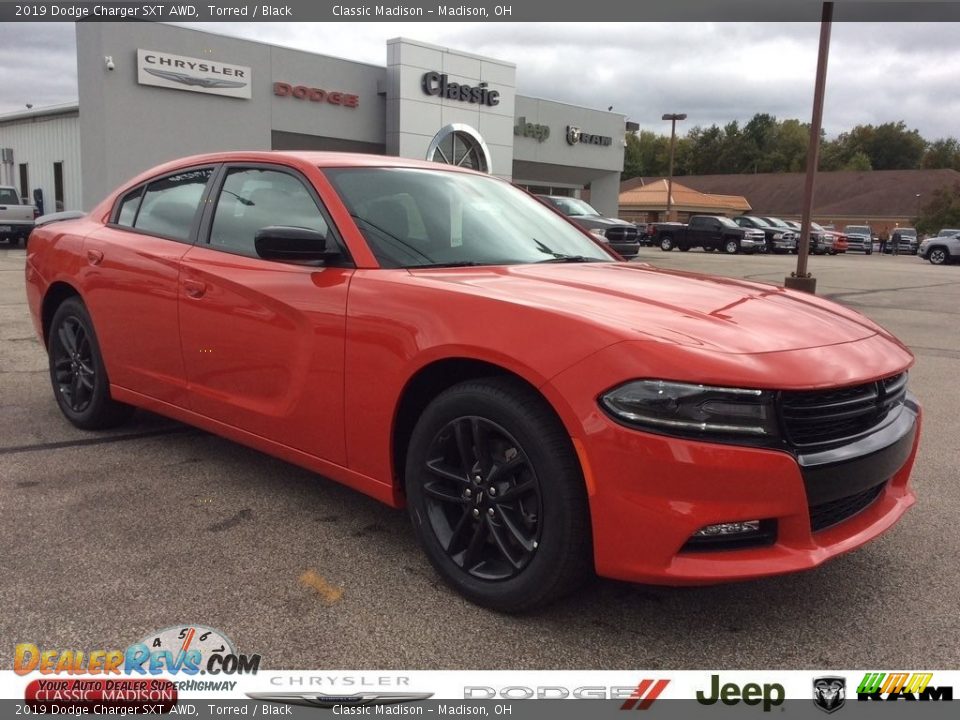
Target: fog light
<point>737,535</point>
<point>732,528</point>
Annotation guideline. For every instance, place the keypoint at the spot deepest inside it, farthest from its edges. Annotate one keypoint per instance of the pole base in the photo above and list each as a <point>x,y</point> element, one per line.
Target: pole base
<point>803,284</point>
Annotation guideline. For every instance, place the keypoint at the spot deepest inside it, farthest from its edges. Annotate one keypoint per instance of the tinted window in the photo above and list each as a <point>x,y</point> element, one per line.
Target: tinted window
<point>252,199</point>
<point>170,205</point>
<point>8,196</point>
<point>128,208</point>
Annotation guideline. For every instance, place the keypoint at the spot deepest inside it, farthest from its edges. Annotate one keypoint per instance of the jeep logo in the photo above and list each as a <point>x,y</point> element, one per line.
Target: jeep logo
<point>530,130</point>
<point>771,695</point>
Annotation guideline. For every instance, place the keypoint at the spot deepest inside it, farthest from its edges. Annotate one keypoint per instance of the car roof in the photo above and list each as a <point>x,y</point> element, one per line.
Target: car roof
<point>317,158</point>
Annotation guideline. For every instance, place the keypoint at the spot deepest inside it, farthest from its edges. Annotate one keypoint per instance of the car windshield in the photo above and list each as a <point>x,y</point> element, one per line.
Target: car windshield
<point>413,217</point>
<point>571,206</point>
<point>756,221</point>
<point>727,222</point>
<point>858,229</point>
<point>907,231</point>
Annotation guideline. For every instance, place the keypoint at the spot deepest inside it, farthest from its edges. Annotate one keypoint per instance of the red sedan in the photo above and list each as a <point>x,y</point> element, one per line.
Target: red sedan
<point>437,338</point>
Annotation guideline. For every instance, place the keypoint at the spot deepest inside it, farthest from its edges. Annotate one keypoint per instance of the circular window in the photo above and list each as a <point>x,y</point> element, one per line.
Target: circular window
<point>462,146</point>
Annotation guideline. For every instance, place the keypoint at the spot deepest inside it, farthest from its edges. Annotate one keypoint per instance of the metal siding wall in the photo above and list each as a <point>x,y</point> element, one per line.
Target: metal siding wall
<point>40,143</point>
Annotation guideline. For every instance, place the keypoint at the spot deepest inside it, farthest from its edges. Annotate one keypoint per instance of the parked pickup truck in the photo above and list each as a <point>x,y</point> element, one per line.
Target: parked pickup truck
<point>16,219</point>
<point>711,232</point>
<point>619,234</point>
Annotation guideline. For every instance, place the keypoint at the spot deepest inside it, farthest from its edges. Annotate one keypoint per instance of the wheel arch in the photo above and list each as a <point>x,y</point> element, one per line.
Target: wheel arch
<point>52,299</point>
<point>435,377</point>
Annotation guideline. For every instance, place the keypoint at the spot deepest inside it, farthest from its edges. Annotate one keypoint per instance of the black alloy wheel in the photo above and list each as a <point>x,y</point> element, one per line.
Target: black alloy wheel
<point>497,497</point>
<point>483,502</point>
<point>77,372</point>
<point>74,376</point>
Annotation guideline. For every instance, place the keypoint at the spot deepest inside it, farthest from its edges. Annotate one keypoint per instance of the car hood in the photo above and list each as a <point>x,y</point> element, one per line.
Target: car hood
<point>640,302</point>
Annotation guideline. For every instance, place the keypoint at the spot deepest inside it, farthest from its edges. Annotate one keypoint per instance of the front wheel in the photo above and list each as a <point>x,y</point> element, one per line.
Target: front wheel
<point>666,244</point>
<point>731,247</point>
<point>77,372</point>
<point>938,256</point>
<point>497,497</point>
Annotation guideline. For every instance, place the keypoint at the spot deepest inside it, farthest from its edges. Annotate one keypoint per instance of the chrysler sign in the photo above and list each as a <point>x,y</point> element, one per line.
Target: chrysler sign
<point>179,72</point>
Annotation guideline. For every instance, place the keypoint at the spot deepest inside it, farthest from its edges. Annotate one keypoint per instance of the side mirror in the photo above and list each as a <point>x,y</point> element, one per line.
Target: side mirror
<point>293,244</point>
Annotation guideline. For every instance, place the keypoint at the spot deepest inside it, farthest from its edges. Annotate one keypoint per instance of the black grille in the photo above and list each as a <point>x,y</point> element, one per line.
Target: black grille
<point>622,233</point>
<point>824,417</point>
<point>836,511</point>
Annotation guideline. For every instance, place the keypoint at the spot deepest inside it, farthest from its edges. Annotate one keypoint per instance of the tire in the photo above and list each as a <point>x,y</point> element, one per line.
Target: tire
<point>731,247</point>
<point>666,243</point>
<point>869,252</point>
<point>77,373</point>
<point>938,256</point>
<point>509,556</point>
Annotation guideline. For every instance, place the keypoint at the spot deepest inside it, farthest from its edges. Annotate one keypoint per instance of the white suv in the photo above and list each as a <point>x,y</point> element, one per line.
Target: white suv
<point>941,250</point>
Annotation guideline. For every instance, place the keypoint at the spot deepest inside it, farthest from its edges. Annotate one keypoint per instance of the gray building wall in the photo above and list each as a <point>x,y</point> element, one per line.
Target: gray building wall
<point>126,128</point>
<point>557,161</point>
<point>414,117</point>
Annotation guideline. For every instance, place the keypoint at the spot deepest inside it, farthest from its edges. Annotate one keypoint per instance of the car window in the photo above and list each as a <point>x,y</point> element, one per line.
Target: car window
<point>170,205</point>
<point>8,196</point>
<point>254,198</point>
<point>127,212</point>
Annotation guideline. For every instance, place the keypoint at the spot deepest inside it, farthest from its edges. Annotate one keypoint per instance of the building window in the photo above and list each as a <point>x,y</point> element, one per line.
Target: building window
<point>460,145</point>
<point>58,186</point>
<point>24,182</point>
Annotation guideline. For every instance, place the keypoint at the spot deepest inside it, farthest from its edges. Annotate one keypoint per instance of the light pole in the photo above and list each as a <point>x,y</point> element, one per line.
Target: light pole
<point>918,205</point>
<point>801,279</point>
<point>672,117</point>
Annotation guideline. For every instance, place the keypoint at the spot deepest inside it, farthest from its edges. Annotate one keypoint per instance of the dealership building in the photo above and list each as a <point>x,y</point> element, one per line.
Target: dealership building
<point>150,92</point>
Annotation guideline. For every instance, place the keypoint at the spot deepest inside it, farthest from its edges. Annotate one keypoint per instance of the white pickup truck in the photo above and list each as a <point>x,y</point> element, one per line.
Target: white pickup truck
<point>16,219</point>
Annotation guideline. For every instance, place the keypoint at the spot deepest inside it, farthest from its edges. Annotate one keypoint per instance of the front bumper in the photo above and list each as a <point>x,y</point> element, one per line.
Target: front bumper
<point>649,494</point>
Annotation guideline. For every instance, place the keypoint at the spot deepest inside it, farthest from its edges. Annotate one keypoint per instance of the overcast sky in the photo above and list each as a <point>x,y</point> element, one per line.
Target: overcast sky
<point>714,72</point>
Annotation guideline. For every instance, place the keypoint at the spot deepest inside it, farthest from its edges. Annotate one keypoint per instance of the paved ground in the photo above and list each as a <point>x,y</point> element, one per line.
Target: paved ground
<point>110,537</point>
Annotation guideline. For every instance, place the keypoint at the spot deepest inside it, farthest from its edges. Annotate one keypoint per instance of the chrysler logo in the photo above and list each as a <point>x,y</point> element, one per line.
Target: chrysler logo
<point>204,82</point>
<point>319,700</point>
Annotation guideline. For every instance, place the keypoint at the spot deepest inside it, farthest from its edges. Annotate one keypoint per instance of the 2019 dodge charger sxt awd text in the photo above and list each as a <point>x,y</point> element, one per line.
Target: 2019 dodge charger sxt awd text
<point>437,338</point>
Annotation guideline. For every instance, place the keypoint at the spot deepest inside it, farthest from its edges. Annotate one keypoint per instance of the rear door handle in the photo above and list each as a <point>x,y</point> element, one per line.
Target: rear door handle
<point>195,288</point>
<point>94,257</point>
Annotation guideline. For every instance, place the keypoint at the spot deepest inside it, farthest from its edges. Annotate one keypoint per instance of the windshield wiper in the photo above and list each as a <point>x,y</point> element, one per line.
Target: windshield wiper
<point>558,258</point>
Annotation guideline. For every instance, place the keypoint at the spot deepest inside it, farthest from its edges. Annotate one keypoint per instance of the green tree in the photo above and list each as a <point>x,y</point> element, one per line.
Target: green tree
<point>942,153</point>
<point>942,211</point>
<point>893,147</point>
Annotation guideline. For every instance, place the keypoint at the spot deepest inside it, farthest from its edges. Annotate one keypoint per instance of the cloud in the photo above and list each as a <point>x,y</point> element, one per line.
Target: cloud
<point>715,72</point>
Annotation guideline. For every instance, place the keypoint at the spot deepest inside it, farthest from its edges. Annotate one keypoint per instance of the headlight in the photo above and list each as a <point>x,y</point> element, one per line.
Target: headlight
<point>693,410</point>
<point>778,236</point>
<point>599,232</point>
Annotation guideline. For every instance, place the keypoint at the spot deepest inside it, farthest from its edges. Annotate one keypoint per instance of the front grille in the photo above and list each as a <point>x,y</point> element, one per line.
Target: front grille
<point>836,511</point>
<point>824,417</point>
<point>622,234</point>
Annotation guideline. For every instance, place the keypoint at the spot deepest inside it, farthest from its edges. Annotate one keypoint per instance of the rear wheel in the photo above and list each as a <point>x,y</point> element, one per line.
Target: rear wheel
<point>77,372</point>
<point>666,243</point>
<point>497,497</point>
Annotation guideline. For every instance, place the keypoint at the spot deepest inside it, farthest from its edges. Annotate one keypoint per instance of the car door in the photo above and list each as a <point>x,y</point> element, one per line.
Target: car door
<point>263,340</point>
<point>131,278</point>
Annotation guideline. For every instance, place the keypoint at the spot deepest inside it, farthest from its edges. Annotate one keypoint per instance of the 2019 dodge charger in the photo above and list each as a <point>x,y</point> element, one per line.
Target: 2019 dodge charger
<point>438,339</point>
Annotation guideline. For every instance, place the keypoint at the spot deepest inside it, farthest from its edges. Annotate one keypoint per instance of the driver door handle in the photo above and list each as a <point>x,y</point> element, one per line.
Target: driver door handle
<point>195,288</point>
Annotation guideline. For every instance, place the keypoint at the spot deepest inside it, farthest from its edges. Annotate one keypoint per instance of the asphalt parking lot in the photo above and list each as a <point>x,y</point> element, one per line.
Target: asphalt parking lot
<point>111,536</point>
